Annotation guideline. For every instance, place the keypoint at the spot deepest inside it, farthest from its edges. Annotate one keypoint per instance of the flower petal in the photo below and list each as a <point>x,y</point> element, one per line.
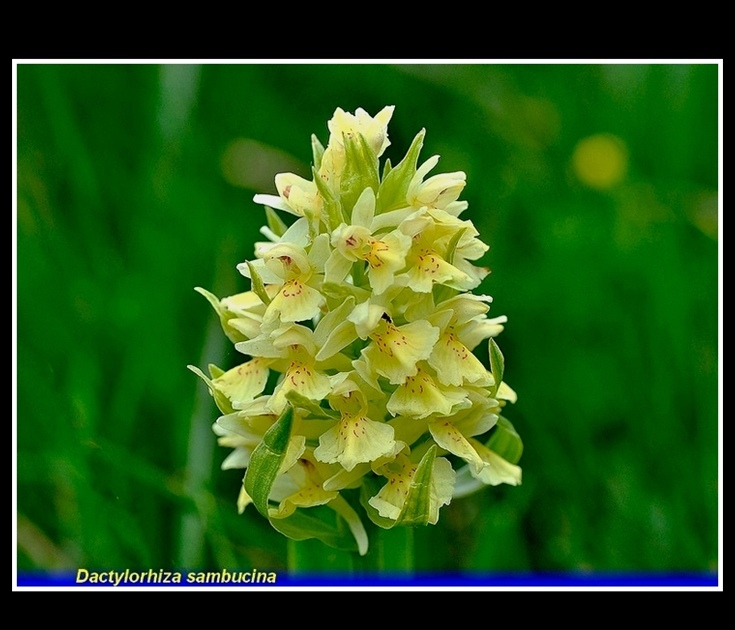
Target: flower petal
<point>448,437</point>
<point>455,364</point>
<point>420,396</point>
<point>299,195</point>
<point>355,440</point>
<point>496,470</point>
<point>428,268</point>
<point>386,257</point>
<point>300,486</point>
<point>243,383</point>
<point>302,377</point>
<point>395,351</point>
<point>295,302</point>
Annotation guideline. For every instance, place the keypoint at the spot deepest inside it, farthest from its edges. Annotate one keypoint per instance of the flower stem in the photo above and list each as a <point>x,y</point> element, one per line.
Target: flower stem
<point>394,550</point>
<point>391,552</point>
<point>312,556</point>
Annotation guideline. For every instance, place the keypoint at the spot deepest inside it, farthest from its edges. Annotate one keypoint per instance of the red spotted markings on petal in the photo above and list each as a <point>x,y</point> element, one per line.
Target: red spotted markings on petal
<point>455,345</point>
<point>292,288</point>
<point>373,256</point>
<point>428,262</point>
<point>390,339</point>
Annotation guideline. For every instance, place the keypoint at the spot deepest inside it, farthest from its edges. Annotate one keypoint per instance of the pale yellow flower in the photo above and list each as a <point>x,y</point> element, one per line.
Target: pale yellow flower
<point>439,191</point>
<point>422,394</point>
<point>355,438</point>
<point>360,379</point>
<point>373,129</point>
<point>385,254</point>
<point>301,486</point>
<point>396,350</point>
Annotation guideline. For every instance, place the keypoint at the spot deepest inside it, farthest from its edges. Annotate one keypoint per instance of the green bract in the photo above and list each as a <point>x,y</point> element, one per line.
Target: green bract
<point>362,307</point>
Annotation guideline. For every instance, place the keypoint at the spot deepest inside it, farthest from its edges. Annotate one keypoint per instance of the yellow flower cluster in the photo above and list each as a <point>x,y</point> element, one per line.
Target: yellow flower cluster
<point>359,333</point>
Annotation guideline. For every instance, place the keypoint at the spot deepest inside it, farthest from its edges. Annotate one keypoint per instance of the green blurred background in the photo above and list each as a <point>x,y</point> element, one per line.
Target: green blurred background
<point>596,187</point>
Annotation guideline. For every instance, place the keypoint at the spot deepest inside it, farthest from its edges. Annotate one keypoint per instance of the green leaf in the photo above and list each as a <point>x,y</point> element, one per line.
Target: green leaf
<point>442,292</point>
<point>360,171</point>
<point>310,406</point>
<point>317,150</point>
<point>505,441</point>
<point>452,245</point>
<point>345,291</point>
<point>214,371</point>
<point>417,509</point>
<point>275,223</point>
<point>266,461</point>
<point>497,365</point>
<point>258,286</point>
<point>320,522</point>
<point>358,273</point>
<point>222,402</point>
<point>394,187</point>
<point>387,167</point>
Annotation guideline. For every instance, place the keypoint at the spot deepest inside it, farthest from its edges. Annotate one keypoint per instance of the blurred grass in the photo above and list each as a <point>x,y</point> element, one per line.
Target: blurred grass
<point>135,184</point>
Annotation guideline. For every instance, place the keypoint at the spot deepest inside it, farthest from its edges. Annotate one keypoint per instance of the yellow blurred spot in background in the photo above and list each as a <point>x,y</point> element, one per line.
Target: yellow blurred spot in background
<point>703,212</point>
<point>600,161</point>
